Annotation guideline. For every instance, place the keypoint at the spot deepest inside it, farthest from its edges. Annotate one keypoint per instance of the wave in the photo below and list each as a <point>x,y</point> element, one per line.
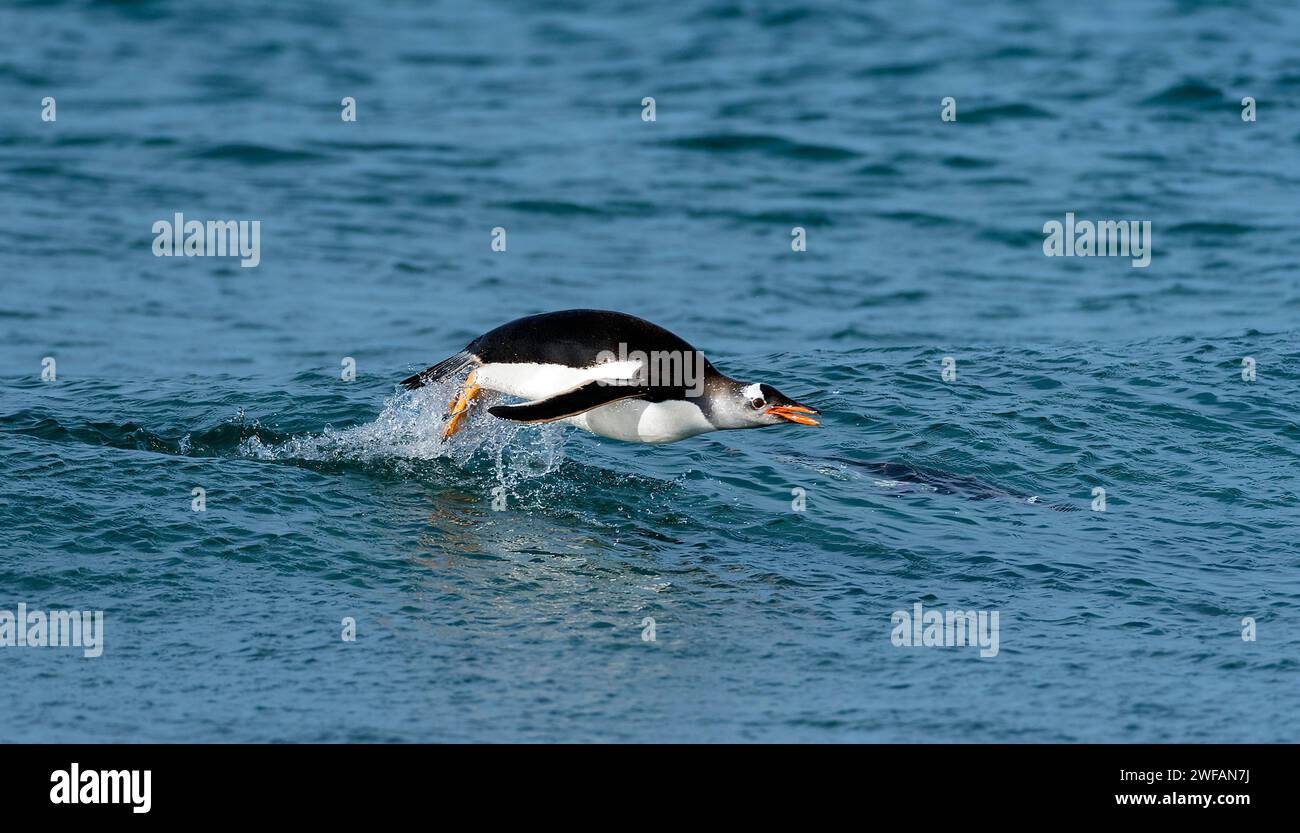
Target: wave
<point>1188,93</point>
<point>763,143</point>
<point>256,154</point>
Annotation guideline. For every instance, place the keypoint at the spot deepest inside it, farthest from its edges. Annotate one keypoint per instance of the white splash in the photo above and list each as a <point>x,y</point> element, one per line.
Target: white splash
<point>410,428</point>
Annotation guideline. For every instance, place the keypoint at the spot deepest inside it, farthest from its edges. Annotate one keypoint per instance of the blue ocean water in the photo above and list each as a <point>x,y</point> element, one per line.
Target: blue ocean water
<point>328,499</point>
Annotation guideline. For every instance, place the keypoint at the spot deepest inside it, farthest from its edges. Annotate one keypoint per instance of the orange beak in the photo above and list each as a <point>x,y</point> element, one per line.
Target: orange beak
<point>794,413</point>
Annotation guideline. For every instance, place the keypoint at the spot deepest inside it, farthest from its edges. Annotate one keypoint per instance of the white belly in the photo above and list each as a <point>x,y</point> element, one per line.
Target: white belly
<point>636,421</point>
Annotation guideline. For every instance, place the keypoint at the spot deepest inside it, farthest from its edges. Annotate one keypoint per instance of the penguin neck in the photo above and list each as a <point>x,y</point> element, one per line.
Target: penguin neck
<point>722,400</point>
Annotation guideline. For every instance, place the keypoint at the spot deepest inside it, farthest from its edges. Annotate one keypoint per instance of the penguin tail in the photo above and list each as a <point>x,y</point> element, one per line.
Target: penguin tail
<point>450,366</point>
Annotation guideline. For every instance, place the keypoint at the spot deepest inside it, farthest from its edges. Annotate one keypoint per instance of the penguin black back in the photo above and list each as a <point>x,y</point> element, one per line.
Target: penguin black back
<point>573,337</point>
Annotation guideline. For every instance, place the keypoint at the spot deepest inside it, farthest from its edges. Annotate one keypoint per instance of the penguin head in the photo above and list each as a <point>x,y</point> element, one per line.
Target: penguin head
<point>756,405</point>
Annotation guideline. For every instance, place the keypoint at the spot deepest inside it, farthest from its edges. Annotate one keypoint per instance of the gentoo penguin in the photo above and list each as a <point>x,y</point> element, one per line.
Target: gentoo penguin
<point>609,373</point>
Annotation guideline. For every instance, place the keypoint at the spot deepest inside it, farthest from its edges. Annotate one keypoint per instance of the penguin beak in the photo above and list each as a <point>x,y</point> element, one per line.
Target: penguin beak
<point>795,413</point>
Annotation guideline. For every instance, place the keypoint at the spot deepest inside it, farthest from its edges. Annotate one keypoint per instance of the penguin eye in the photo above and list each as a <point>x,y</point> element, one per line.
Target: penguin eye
<point>756,403</point>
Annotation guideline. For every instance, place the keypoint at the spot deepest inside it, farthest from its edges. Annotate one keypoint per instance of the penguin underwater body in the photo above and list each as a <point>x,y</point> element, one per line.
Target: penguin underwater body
<point>609,373</point>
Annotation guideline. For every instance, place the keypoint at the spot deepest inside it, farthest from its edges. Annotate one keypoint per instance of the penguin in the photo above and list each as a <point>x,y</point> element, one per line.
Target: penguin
<point>609,373</point>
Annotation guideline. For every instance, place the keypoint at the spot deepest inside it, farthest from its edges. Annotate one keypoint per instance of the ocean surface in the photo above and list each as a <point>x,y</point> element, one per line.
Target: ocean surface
<point>327,499</point>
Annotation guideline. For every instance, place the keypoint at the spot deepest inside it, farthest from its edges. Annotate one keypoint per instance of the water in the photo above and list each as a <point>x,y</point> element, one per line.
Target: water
<point>328,499</point>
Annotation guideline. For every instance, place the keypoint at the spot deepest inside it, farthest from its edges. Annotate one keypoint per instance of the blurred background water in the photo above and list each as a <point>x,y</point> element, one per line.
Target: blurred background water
<point>329,499</point>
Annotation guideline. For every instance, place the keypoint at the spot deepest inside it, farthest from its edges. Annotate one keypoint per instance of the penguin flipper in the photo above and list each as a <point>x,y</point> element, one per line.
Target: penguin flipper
<point>569,403</point>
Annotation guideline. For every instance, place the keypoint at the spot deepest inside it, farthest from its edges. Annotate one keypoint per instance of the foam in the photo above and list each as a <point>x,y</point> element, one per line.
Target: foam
<point>409,428</point>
